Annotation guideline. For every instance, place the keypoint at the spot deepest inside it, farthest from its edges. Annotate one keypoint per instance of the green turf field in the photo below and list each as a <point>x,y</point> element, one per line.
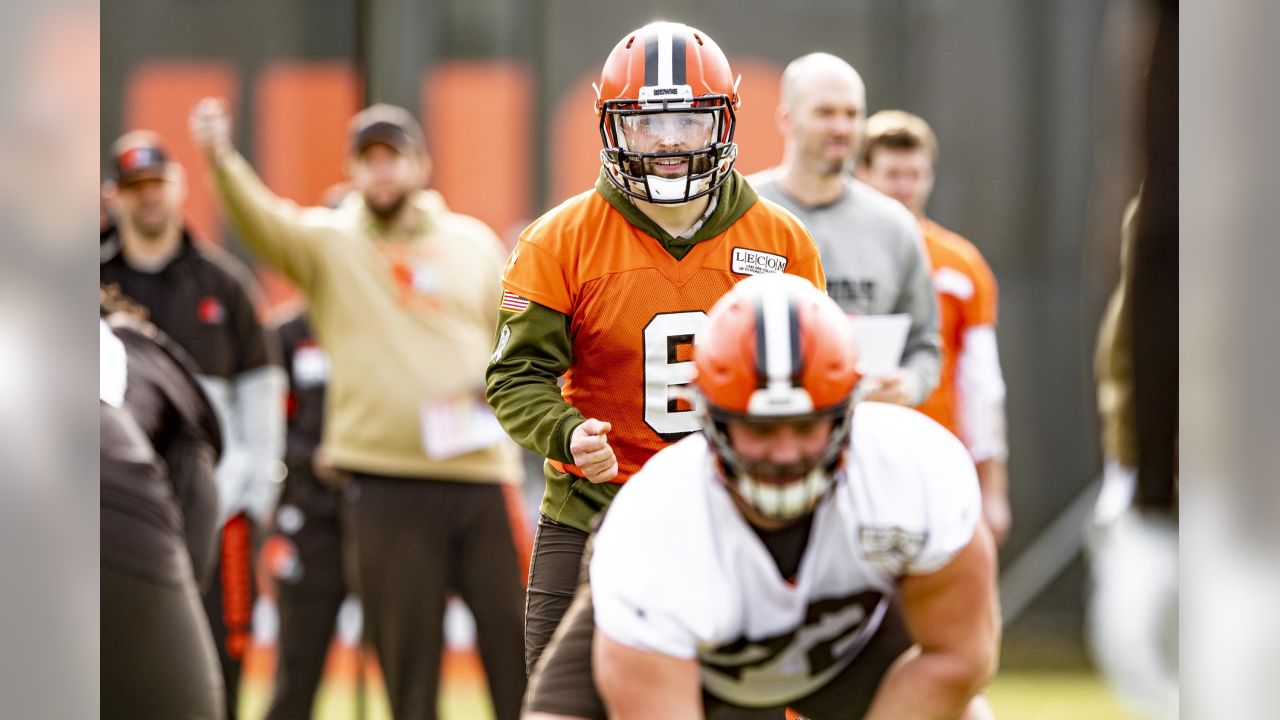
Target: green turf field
<point>1053,696</point>
<point>1014,696</point>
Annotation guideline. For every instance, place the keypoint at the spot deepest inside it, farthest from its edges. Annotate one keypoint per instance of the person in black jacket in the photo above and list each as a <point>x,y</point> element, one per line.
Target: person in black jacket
<point>304,553</point>
<point>159,445</point>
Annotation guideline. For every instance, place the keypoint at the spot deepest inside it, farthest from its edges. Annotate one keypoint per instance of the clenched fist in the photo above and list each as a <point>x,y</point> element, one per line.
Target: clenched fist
<point>589,445</point>
<point>211,127</point>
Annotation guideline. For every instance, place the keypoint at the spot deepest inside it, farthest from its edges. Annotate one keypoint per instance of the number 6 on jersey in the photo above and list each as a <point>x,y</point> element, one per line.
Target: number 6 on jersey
<point>668,364</point>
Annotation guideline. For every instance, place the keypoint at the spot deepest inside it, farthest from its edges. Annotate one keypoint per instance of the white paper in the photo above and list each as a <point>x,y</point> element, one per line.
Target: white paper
<point>457,425</point>
<point>881,340</point>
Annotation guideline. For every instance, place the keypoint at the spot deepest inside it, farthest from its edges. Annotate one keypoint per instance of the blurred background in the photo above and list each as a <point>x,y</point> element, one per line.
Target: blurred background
<point>1034,105</point>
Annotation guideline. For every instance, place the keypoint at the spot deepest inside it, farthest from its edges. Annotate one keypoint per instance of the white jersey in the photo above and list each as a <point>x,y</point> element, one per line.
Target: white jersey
<point>677,570</point>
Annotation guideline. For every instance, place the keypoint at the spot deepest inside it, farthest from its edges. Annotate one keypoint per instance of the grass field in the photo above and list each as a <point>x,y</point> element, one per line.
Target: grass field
<point>1015,695</point>
<point>1023,695</point>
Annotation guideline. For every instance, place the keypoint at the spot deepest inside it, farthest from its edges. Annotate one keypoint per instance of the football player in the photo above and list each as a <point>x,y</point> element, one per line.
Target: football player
<point>818,557</point>
<point>898,158</point>
<point>159,441</point>
<point>609,289</point>
<point>1133,537</point>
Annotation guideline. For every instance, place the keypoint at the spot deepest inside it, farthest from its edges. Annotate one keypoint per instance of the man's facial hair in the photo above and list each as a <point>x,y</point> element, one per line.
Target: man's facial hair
<point>150,232</point>
<point>384,213</point>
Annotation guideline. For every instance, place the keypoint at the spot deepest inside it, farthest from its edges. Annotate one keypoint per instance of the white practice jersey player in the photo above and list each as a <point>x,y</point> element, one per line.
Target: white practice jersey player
<point>677,570</point>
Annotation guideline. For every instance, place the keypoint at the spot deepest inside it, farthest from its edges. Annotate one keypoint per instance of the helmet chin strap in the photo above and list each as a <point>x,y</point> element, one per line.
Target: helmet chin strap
<point>671,191</point>
<point>778,501</point>
<point>710,167</point>
<point>784,501</point>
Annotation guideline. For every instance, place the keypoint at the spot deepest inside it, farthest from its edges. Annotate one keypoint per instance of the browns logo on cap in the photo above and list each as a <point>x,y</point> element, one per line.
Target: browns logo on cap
<point>139,155</point>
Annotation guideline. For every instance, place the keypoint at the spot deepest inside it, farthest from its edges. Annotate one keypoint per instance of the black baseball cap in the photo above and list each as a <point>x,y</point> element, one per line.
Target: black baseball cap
<point>386,124</point>
<point>138,156</point>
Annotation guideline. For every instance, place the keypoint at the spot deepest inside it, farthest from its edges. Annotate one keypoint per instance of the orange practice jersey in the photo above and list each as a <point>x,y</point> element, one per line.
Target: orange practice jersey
<point>967,298</point>
<point>634,309</point>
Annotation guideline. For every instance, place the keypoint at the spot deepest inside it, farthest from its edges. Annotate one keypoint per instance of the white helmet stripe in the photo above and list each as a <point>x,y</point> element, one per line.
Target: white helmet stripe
<point>775,312</point>
<point>664,56</point>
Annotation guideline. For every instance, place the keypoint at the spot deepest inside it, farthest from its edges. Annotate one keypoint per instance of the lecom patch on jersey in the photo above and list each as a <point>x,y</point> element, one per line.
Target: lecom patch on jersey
<point>754,262</point>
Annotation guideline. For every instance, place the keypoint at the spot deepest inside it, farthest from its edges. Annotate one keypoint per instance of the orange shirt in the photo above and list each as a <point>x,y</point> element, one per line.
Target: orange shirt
<point>967,297</point>
<point>634,309</point>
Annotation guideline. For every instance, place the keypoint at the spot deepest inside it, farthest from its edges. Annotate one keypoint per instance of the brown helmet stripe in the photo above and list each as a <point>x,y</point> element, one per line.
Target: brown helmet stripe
<point>651,59</point>
<point>677,59</point>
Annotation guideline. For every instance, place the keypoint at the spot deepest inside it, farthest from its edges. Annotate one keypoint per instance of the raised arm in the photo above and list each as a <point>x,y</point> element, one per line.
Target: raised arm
<point>272,227</point>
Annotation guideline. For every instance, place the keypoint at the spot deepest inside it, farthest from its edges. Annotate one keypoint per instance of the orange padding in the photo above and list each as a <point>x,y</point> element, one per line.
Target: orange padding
<point>566,468</point>
<point>237,584</point>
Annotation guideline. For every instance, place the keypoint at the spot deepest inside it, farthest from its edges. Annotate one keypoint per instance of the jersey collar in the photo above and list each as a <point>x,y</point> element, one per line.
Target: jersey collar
<point>734,198</point>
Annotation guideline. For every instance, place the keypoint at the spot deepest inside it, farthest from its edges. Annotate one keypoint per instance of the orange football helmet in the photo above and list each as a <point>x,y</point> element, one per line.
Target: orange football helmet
<point>666,102</point>
<point>776,349</point>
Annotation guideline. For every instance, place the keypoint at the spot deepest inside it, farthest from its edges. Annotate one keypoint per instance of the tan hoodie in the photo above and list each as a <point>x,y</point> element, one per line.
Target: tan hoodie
<point>406,319</point>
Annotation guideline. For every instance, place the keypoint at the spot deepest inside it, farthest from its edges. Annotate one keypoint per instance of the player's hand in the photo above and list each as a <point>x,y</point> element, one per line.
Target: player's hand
<point>589,445</point>
<point>892,388</point>
<point>995,510</point>
<point>994,481</point>
<point>211,127</point>
<point>328,475</point>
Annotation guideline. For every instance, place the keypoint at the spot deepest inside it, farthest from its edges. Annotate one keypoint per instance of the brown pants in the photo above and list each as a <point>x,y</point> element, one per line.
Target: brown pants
<point>157,656</point>
<point>415,540</point>
<point>309,592</point>
<point>554,575</point>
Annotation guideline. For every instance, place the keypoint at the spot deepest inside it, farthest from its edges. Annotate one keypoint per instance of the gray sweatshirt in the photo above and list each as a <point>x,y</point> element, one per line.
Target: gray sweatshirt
<point>874,257</point>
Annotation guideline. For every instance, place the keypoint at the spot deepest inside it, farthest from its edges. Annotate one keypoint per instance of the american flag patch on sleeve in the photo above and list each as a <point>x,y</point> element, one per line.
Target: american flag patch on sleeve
<point>512,302</point>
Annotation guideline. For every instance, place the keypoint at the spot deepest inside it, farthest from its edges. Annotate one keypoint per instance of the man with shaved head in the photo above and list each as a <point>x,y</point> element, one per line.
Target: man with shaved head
<point>872,250</point>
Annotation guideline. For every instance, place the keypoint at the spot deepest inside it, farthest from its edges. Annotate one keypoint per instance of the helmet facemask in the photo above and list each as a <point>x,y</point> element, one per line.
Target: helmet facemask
<point>779,492</point>
<point>636,173</point>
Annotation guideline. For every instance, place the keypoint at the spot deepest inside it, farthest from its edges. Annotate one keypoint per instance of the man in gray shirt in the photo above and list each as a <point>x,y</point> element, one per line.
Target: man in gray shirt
<point>872,250</point>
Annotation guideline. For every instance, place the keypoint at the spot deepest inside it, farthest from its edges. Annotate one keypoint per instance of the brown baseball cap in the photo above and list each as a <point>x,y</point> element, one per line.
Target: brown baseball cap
<point>386,124</point>
<point>138,156</point>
